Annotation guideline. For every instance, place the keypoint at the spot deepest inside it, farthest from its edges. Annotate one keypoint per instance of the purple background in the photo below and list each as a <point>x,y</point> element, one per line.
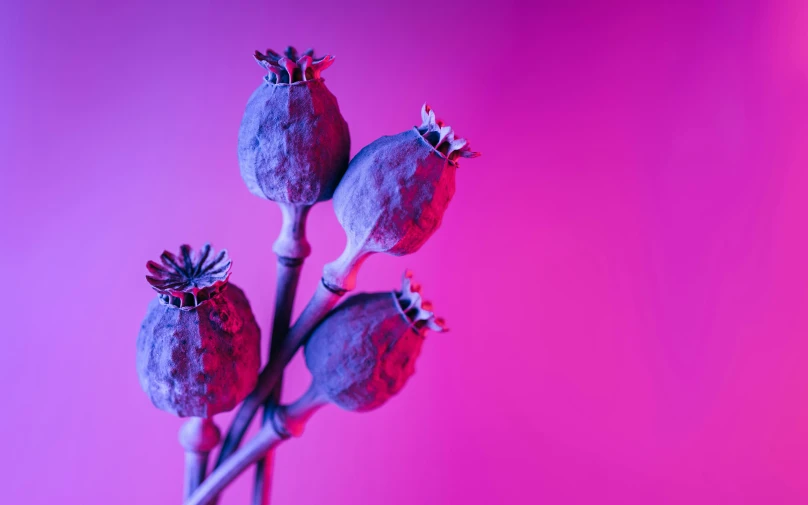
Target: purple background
<point>625,270</point>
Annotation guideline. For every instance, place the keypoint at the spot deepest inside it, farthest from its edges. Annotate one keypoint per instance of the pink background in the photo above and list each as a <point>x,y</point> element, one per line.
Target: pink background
<point>625,270</point>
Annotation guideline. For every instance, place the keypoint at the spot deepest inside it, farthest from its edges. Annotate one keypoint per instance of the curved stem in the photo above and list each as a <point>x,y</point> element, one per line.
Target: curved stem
<point>341,273</point>
<point>288,277</point>
<point>288,421</point>
<point>223,475</point>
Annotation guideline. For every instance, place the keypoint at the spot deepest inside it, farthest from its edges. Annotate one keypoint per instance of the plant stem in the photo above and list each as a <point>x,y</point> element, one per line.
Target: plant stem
<point>288,277</point>
<point>339,277</point>
<point>323,301</point>
<point>291,248</point>
<point>286,422</point>
<point>198,436</point>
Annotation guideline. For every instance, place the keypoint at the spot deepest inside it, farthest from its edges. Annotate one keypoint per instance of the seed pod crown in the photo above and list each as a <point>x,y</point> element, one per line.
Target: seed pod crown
<point>191,278</point>
<point>442,137</point>
<point>417,310</point>
<point>289,68</point>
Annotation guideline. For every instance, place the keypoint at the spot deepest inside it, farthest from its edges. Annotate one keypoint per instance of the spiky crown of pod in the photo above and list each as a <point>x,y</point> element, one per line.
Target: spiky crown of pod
<point>442,137</point>
<point>193,277</point>
<point>412,305</point>
<point>288,68</point>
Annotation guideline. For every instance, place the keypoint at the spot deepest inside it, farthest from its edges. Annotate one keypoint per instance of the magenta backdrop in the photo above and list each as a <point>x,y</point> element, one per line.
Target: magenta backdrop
<point>625,270</point>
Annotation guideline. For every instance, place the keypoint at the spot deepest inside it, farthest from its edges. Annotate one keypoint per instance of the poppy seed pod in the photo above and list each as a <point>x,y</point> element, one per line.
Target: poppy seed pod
<point>394,194</point>
<point>365,349</point>
<point>198,346</point>
<point>293,144</point>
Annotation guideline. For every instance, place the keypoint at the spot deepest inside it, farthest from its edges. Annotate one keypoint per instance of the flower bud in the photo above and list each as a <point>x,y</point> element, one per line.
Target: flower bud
<point>394,194</point>
<point>198,346</point>
<point>365,349</point>
<point>293,144</point>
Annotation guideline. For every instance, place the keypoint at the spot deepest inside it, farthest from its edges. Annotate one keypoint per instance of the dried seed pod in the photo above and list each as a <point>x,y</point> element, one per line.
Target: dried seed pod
<point>198,346</point>
<point>293,144</point>
<point>394,194</point>
<point>364,351</point>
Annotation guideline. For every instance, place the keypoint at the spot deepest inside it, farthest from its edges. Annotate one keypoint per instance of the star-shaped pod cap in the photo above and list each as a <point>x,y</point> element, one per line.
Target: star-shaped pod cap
<point>190,278</point>
<point>412,305</point>
<point>289,68</point>
<point>442,137</point>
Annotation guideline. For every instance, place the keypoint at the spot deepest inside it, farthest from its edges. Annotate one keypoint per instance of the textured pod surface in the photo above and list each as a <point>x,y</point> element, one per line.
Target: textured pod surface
<point>293,144</point>
<point>363,352</point>
<point>202,361</point>
<point>394,194</point>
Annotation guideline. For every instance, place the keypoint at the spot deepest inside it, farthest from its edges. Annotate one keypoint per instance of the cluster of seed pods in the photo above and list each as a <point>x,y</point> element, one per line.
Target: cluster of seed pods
<point>198,347</point>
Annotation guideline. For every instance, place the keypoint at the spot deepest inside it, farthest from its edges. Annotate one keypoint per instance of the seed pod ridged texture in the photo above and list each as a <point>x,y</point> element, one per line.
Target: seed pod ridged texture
<point>293,144</point>
<point>364,351</point>
<point>198,346</point>
<point>202,361</point>
<point>394,195</point>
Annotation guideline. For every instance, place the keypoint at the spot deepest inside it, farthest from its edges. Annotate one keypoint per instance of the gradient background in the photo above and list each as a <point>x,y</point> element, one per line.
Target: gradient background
<point>625,270</point>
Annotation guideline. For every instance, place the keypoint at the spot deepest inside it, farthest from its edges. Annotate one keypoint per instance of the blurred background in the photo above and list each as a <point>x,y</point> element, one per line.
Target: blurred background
<point>624,270</point>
